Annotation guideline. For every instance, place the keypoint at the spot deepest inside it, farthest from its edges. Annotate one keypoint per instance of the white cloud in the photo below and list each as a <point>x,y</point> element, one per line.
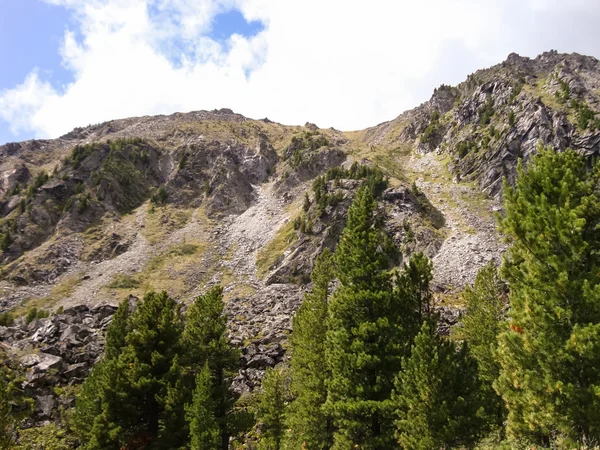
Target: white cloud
<point>342,63</point>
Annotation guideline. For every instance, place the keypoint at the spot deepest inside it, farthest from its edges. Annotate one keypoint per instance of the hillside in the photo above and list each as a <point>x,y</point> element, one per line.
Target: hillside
<point>184,202</point>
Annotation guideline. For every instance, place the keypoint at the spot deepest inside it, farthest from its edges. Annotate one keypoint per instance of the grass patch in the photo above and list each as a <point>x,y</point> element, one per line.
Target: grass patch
<point>163,221</point>
<point>123,282</point>
<point>267,255</point>
<point>59,292</point>
<point>168,271</point>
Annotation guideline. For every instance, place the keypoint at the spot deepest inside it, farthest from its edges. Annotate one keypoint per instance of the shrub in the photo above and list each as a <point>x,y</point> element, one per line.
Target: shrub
<point>6,319</point>
<point>123,282</point>
<point>159,197</point>
<point>486,111</point>
<point>564,92</point>
<point>511,118</point>
<point>430,133</point>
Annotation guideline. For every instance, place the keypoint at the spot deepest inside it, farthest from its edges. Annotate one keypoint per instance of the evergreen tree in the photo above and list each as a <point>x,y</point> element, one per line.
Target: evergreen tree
<point>205,342</point>
<point>271,407</point>
<point>6,415</point>
<point>307,420</point>
<point>550,354</point>
<point>130,390</point>
<point>96,402</point>
<point>364,345</point>
<point>437,395</point>
<point>413,289</point>
<point>117,331</point>
<point>146,361</point>
<point>482,323</point>
<point>205,433</point>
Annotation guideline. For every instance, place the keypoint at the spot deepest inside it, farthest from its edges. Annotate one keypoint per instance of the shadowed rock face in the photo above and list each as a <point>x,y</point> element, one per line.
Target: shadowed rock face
<point>186,201</point>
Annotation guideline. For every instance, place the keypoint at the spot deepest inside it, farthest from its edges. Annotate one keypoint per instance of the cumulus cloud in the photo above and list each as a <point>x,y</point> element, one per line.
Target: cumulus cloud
<point>342,63</point>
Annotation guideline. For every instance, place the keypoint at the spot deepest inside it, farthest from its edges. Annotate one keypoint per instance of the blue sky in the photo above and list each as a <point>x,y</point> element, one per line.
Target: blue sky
<point>32,32</point>
<point>337,63</point>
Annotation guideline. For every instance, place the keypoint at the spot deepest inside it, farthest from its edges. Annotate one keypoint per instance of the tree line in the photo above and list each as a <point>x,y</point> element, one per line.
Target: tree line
<point>368,369</point>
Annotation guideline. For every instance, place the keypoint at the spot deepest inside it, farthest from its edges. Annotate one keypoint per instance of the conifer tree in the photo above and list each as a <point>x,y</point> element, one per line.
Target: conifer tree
<point>146,361</point>
<point>364,345</point>
<point>205,433</point>
<point>413,289</point>
<point>308,422</point>
<point>271,407</point>
<point>133,385</point>
<point>550,354</point>
<point>96,401</point>
<point>482,323</point>
<point>205,342</point>
<point>437,395</point>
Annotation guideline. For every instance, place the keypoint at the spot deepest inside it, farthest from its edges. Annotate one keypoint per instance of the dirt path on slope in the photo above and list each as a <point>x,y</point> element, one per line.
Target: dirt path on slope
<point>472,239</point>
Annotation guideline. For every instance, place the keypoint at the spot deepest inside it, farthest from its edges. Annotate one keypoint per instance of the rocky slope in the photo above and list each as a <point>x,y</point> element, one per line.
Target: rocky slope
<point>186,201</point>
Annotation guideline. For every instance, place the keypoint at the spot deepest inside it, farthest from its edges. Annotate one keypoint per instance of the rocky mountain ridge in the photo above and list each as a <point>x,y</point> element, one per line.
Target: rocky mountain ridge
<point>186,201</point>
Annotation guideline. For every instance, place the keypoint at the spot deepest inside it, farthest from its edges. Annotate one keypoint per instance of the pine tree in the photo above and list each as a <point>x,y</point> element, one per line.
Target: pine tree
<point>96,401</point>
<point>482,323</point>
<point>413,289</point>
<point>146,361</point>
<point>6,416</point>
<point>129,390</point>
<point>205,342</point>
<point>550,354</point>
<point>364,345</point>
<point>307,420</point>
<point>205,433</point>
<point>437,395</point>
<point>271,407</point>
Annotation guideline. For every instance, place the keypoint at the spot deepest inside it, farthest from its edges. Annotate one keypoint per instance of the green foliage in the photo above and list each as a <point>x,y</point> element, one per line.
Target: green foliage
<point>6,319</point>
<point>182,159</point>
<point>364,339</point>
<point>81,152</point>
<point>159,197</point>
<point>271,407</point>
<point>41,179</point>
<point>514,93</point>
<point>120,177</point>
<point>437,396</point>
<point>306,204</point>
<point>7,424</point>
<point>303,145</point>
<point>550,354</point>
<point>206,343</point>
<point>413,287</point>
<point>585,116</point>
<point>307,421</point>
<point>200,414</point>
<point>464,147</point>
<point>123,282</point>
<point>430,133</point>
<point>47,437</point>
<point>5,240</point>
<point>482,323</point>
<point>303,223</point>
<point>486,111</point>
<point>125,400</point>
<point>373,177</point>
<point>564,93</point>
<point>83,202</point>
<point>34,313</point>
<point>511,118</point>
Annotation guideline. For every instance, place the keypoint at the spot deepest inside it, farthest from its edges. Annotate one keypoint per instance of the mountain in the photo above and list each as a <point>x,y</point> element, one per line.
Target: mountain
<point>183,202</point>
